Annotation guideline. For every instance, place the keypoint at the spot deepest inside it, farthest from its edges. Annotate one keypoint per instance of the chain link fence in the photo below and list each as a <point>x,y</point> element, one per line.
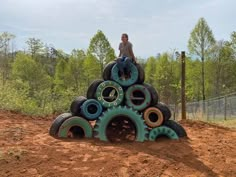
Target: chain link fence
<point>221,108</point>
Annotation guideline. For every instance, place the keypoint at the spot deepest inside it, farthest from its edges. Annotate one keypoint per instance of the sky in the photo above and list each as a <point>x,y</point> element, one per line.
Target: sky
<point>153,26</point>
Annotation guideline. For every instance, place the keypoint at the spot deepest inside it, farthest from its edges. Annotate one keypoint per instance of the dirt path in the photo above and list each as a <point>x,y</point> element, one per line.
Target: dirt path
<point>26,149</point>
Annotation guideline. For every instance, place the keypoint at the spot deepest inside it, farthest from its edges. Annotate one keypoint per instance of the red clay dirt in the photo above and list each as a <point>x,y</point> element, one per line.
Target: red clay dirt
<point>26,149</point>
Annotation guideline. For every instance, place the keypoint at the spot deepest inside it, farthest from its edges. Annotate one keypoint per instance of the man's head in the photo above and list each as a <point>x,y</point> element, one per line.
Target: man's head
<point>124,37</point>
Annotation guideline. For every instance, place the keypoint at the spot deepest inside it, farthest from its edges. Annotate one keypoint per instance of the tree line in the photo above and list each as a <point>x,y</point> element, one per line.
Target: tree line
<point>43,79</point>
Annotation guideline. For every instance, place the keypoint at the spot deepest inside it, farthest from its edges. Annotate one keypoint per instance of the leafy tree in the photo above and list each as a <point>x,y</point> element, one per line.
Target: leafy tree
<point>200,41</point>
<point>221,65</point>
<point>100,48</point>
<point>5,58</point>
<point>166,83</point>
<point>150,70</point>
<point>91,69</point>
<point>193,79</point>
<point>35,46</point>
<point>28,71</point>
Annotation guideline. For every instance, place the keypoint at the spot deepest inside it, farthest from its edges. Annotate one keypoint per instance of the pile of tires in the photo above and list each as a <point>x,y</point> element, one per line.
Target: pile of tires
<point>117,104</point>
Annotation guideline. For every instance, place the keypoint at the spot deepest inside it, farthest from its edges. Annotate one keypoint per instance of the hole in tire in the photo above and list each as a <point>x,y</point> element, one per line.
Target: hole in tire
<point>76,132</point>
<point>161,138</point>
<point>127,74</point>
<point>138,97</point>
<point>109,94</point>
<point>92,109</point>
<point>121,129</point>
<point>153,117</point>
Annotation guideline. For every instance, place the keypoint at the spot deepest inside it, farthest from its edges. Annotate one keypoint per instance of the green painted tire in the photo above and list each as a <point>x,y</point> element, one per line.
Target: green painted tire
<point>127,82</point>
<point>162,130</point>
<point>57,123</point>
<point>138,97</point>
<point>75,122</point>
<point>104,120</point>
<point>109,94</point>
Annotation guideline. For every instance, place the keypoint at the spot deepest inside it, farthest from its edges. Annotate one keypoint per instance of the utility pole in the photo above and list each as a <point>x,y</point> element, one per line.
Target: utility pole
<point>183,100</point>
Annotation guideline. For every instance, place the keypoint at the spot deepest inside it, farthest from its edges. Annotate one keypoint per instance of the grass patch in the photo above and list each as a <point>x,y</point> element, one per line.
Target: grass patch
<point>230,123</point>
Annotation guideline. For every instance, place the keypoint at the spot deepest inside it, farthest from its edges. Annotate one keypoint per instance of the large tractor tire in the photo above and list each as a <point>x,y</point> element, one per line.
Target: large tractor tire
<point>91,92</point>
<point>109,94</point>
<point>75,106</point>
<point>101,126</point>
<point>138,97</point>
<point>153,117</point>
<point>75,127</point>
<point>176,127</point>
<point>57,123</point>
<point>162,131</point>
<point>91,109</point>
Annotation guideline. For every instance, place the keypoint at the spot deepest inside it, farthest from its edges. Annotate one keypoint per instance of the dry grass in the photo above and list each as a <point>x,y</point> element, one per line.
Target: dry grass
<point>230,123</point>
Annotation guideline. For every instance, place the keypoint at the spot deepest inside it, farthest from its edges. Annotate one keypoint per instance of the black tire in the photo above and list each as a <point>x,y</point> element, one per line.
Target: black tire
<point>57,123</point>
<point>141,74</point>
<point>154,94</point>
<point>165,110</point>
<point>107,70</point>
<point>76,104</point>
<point>91,92</point>
<point>180,131</point>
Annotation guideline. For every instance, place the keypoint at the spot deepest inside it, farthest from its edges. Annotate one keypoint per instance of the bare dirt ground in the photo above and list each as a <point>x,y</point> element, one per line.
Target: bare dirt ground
<point>26,149</point>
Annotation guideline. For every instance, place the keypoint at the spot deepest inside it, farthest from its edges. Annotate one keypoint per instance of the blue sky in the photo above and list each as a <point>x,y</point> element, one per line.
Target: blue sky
<point>154,26</point>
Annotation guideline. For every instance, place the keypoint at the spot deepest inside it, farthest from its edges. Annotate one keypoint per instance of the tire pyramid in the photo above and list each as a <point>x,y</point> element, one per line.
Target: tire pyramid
<point>118,109</point>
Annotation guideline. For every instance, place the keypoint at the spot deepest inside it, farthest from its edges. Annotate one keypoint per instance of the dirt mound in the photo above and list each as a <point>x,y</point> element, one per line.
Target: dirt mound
<point>26,149</point>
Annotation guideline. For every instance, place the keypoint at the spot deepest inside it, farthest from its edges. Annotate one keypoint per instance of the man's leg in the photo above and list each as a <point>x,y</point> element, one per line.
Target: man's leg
<point>120,65</point>
<point>128,62</point>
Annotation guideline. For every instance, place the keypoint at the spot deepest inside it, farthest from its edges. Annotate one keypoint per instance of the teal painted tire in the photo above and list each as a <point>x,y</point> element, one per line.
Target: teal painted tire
<point>162,130</point>
<point>57,123</point>
<point>109,94</point>
<point>75,127</point>
<point>129,81</point>
<point>138,97</point>
<point>91,109</point>
<point>103,121</point>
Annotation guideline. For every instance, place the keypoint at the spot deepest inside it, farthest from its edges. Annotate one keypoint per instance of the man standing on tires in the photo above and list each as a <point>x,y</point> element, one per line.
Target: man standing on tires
<point>126,55</point>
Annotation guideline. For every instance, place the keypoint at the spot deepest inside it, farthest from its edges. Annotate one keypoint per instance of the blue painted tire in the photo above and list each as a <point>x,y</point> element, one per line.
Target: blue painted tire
<point>162,130</point>
<point>91,109</point>
<point>134,74</point>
